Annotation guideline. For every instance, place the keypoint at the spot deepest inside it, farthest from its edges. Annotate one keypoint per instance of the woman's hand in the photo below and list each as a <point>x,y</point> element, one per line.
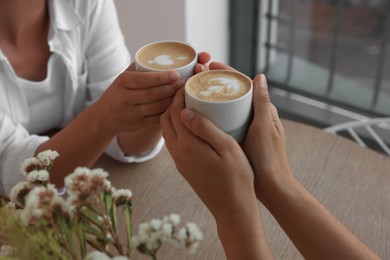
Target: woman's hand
<point>219,172</point>
<point>136,100</point>
<point>203,60</point>
<point>265,142</point>
<point>210,160</point>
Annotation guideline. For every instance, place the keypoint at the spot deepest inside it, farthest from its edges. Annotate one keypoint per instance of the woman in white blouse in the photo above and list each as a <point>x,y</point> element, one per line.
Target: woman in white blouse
<point>64,64</point>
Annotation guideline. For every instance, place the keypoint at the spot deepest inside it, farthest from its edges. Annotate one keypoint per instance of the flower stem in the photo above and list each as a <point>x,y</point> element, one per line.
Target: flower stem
<point>83,244</point>
<point>127,213</point>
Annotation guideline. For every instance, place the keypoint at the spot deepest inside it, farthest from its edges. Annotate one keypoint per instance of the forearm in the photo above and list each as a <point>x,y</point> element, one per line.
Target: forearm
<point>80,143</point>
<point>312,228</point>
<point>139,142</point>
<point>241,233</point>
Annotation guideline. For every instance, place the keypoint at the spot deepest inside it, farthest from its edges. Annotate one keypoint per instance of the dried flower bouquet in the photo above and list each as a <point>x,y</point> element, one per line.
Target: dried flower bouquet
<point>80,221</point>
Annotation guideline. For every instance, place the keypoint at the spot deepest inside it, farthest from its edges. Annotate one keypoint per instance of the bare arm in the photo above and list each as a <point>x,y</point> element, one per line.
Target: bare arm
<point>312,228</point>
<point>141,141</point>
<point>130,108</point>
<point>218,171</point>
<point>133,102</point>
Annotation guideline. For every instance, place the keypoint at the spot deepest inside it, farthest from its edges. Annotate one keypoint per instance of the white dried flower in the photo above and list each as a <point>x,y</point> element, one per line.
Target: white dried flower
<point>58,205</point>
<point>70,205</point>
<point>107,186</point>
<point>6,250</point>
<point>84,182</point>
<point>194,232</point>
<point>19,192</point>
<point>105,220</point>
<point>191,236</point>
<point>47,157</point>
<point>97,255</point>
<point>155,224</point>
<point>121,196</point>
<point>120,258</point>
<point>174,219</point>
<point>11,205</point>
<point>182,234</point>
<point>193,247</point>
<point>143,229</point>
<point>39,204</point>
<point>167,230</point>
<point>29,165</point>
<point>78,180</point>
<point>38,176</point>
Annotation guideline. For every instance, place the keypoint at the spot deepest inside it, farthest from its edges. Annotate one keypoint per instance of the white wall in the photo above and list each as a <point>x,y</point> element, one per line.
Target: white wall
<point>207,27</point>
<point>203,23</point>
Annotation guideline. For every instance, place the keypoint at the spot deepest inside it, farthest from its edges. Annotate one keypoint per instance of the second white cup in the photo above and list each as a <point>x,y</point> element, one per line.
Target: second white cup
<point>224,97</point>
<point>167,55</point>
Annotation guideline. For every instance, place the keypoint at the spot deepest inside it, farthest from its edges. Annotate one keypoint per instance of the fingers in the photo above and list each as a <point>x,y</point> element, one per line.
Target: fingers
<point>204,57</point>
<point>154,107</point>
<point>206,130</point>
<point>264,110</point>
<point>200,68</point>
<point>261,99</point>
<point>175,110</point>
<point>168,131</point>
<point>142,96</point>
<point>171,129</point>
<point>141,80</point>
<point>184,125</point>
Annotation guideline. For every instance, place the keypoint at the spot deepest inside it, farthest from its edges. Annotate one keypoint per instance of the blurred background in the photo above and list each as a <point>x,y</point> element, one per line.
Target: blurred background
<point>326,61</point>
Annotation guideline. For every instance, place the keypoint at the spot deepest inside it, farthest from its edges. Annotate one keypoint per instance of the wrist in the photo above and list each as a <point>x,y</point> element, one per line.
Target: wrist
<point>98,119</point>
<point>242,235</point>
<point>141,142</point>
<point>242,207</point>
<point>280,191</point>
<point>277,189</point>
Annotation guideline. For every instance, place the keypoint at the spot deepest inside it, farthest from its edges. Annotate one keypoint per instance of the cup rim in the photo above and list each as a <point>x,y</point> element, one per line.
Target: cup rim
<point>249,92</point>
<point>166,41</point>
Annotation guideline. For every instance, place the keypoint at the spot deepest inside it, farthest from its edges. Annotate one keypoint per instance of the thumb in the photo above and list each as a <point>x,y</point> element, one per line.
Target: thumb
<point>203,128</point>
<point>264,111</point>
<point>261,99</point>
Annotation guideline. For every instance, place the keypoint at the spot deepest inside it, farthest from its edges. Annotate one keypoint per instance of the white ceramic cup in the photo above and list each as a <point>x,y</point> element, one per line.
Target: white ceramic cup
<point>231,116</point>
<point>167,55</point>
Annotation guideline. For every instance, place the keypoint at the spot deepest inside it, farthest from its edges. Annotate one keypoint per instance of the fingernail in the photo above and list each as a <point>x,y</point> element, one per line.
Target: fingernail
<point>188,114</point>
<point>174,76</point>
<point>262,81</point>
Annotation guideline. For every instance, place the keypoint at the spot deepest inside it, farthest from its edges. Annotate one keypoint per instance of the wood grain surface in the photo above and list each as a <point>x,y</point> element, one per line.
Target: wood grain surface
<point>351,181</point>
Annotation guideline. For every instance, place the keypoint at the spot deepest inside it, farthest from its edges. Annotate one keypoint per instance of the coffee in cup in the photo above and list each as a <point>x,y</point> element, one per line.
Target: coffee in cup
<point>167,55</point>
<point>224,96</point>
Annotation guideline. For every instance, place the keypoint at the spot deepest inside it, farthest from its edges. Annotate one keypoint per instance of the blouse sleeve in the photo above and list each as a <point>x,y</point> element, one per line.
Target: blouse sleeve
<point>16,145</point>
<point>106,52</point>
<point>107,57</point>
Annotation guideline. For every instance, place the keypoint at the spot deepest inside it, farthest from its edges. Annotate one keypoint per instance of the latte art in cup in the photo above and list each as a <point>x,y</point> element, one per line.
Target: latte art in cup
<point>218,85</point>
<point>224,97</point>
<point>165,55</point>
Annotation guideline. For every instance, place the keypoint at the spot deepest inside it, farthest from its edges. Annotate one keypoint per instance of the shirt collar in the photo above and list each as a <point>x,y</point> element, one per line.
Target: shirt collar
<point>63,15</point>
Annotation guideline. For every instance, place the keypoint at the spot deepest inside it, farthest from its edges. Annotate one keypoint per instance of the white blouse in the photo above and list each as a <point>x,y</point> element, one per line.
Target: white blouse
<point>88,52</point>
<point>45,98</point>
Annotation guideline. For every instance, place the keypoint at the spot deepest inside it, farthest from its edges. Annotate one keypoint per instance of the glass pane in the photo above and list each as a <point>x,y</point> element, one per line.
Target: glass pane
<point>338,50</point>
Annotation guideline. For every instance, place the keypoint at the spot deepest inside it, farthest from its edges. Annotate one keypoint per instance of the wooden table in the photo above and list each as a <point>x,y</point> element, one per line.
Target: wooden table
<point>351,181</point>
